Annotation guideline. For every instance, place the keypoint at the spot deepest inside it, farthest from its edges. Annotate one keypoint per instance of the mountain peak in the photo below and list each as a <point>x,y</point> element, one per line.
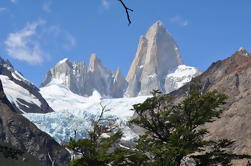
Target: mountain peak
<point>242,51</point>
<point>156,56</point>
<point>64,60</point>
<point>158,24</point>
<point>118,73</point>
<point>94,61</point>
<point>157,28</point>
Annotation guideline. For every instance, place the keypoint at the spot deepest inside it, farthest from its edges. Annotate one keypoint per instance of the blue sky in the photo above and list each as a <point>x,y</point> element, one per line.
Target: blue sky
<point>36,34</point>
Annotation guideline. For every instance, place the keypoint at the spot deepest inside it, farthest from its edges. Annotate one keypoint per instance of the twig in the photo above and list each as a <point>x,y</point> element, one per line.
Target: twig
<point>127,11</point>
<point>52,161</point>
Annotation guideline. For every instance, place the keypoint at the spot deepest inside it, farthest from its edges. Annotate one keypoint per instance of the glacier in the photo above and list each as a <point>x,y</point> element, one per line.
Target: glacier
<point>75,113</point>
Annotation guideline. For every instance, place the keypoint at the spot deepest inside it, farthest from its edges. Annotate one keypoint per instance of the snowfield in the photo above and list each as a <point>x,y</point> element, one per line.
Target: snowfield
<point>74,112</point>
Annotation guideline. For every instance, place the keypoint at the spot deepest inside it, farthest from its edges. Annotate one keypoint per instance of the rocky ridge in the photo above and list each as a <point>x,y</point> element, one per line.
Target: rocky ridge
<point>231,76</point>
<point>24,96</point>
<point>84,80</point>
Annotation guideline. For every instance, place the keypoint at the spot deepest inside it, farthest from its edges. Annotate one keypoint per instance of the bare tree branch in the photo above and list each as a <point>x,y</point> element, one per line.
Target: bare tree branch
<point>127,10</point>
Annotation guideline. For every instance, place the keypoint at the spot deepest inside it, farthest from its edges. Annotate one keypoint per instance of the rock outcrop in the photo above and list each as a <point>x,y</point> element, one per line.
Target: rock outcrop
<point>24,96</point>
<point>157,56</point>
<point>21,133</point>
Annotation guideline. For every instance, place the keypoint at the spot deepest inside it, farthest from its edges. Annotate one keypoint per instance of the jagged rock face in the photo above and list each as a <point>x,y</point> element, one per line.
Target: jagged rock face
<point>83,81</point>
<point>72,74</point>
<point>119,84</point>
<point>157,56</point>
<point>21,133</point>
<point>232,77</point>
<point>98,78</point>
<point>24,96</point>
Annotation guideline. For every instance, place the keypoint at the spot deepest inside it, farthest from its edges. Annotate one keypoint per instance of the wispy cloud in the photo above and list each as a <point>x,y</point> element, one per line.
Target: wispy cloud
<point>3,9</point>
<point>70,41</point>
<point>105,4</point>
<point>24,46</point>
<point>29,44</point>
<point>47,6</point>
<point>180,21</point>
<point>13,1</point>
<point>67,40</point>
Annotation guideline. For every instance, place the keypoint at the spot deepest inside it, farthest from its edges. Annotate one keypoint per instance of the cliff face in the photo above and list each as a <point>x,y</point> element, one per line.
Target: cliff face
<point>157,56</point>
<point>21,133</point>
<point>232,77</point>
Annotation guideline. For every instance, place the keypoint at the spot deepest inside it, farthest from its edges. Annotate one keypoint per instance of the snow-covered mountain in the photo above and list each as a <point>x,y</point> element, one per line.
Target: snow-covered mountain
<point>83,81</point>
<point>157,64</point>
<point>24,96</point>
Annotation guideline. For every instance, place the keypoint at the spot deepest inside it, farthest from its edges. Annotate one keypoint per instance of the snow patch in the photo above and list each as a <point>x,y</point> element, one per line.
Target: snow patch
<point>63,61</point>
<point>14,92</point>
<point>180,76</point>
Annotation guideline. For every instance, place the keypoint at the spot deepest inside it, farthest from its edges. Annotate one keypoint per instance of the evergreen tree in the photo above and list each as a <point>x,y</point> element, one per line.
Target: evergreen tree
<point>174,131</point>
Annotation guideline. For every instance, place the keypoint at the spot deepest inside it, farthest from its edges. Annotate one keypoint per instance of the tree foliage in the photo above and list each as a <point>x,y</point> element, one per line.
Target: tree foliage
<point>10,152</point>
<point>102,146</point>
<point>174,131</point>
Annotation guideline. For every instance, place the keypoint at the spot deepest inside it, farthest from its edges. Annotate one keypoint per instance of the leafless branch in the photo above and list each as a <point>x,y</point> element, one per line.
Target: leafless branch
<point>127,10</point>
<point>52,161</point>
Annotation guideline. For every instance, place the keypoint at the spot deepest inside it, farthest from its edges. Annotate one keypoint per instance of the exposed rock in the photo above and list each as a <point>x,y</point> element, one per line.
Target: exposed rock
<point>232,77</point>
<point>21,133</point>
<point>119,84</point>
<point>157,56</point>
<point>98,78</point>
<point>15,85</point>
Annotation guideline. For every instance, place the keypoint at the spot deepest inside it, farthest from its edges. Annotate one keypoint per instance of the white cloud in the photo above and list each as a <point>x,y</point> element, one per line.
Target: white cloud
<point>24,46</point>
<point>180,21</point>
<point>47,7</point>
<point>105,4</point>
<point>3,10</point>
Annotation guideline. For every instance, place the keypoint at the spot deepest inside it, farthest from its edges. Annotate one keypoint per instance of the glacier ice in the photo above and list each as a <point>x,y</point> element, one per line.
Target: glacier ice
<point>75,113</point>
